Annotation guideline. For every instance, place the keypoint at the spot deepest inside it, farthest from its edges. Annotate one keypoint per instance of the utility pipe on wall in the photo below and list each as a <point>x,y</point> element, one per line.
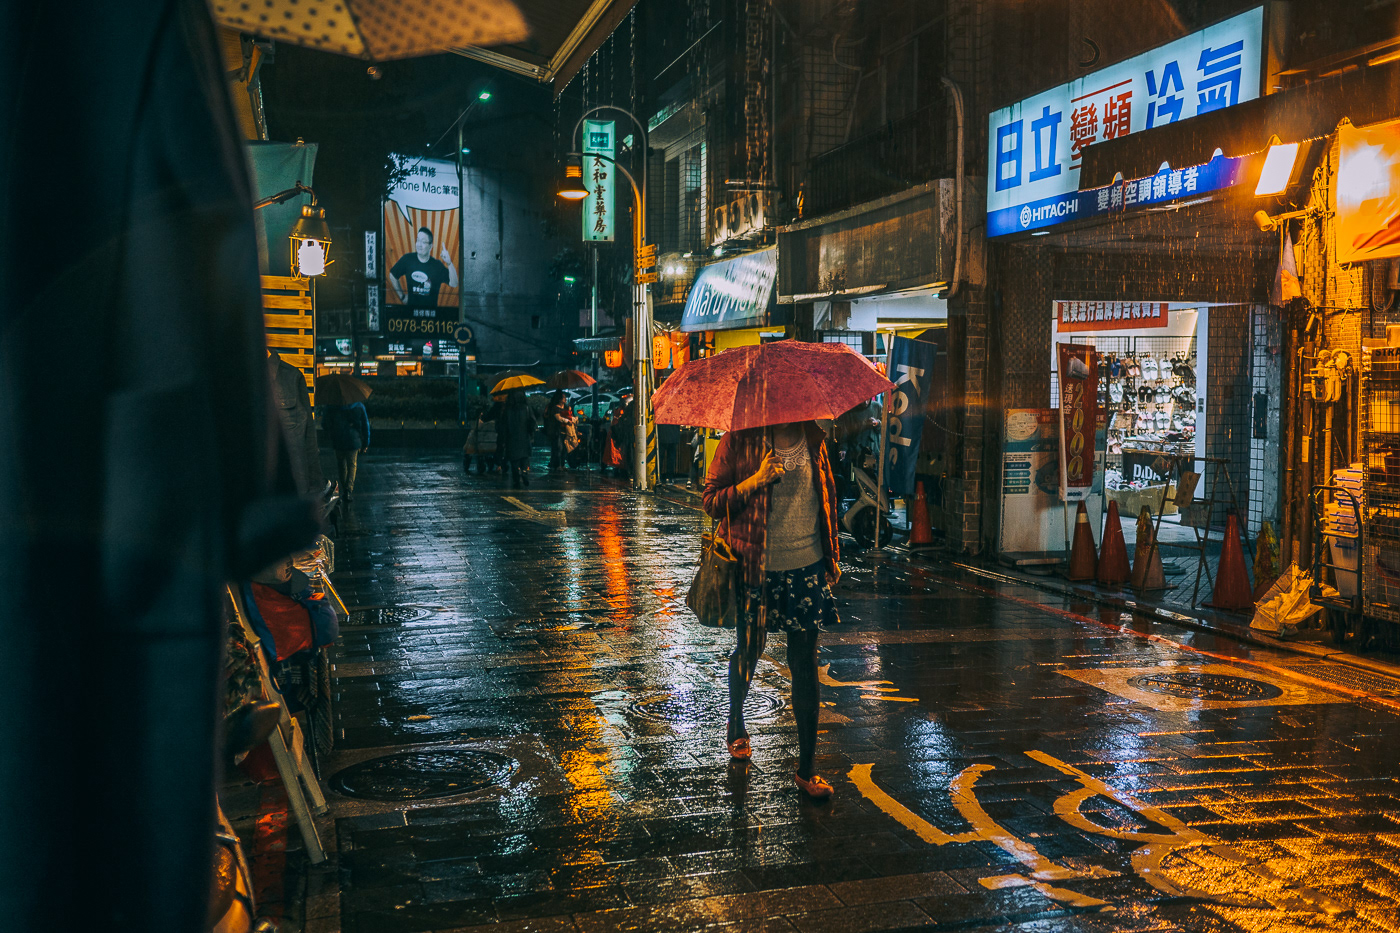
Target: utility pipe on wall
<point>956,93</point>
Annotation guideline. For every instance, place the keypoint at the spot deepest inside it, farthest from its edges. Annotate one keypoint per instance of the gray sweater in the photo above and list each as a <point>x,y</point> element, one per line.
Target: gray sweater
<point>794,519</point>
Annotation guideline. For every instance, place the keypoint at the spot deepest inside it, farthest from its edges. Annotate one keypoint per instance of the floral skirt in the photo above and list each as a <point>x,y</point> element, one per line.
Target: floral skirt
<point>796,600</point>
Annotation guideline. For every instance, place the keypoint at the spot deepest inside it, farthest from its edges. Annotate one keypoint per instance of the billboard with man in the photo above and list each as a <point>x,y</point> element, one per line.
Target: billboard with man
<point>422,253</point>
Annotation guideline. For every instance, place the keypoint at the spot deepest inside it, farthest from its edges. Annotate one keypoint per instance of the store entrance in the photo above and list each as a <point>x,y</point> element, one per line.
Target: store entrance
<point>1153,385</point>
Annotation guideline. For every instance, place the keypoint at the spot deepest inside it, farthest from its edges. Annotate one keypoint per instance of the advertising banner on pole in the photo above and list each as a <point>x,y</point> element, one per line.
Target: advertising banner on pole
<point>599,139</point>
<point>1079,414</point>
<point>1368,192</point>
<point>911,371</point>
<point>422,253</point>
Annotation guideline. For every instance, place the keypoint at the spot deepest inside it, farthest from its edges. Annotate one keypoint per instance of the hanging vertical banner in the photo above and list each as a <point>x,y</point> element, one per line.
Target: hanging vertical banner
<point>1079,414</point>
<point>599,139</point>
<point>911,371</point>
<point>372,306</point>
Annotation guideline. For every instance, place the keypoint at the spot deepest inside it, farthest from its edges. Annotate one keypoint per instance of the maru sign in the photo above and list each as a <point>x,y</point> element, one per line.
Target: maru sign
<point>1079,416</point>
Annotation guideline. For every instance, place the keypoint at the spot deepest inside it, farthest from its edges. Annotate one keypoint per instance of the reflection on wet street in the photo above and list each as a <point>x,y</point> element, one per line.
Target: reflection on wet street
<point>1002,759</point>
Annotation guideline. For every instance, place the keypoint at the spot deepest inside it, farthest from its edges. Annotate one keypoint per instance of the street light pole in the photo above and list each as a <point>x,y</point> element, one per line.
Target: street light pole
<point>645,445</point>
<point>461,279</point>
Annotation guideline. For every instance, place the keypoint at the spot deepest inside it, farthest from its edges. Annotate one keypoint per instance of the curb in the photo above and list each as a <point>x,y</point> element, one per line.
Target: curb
<point>1214,627</point>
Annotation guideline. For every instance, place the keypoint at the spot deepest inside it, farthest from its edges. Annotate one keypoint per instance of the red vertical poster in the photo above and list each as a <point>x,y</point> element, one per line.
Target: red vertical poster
<point>1079,414</point>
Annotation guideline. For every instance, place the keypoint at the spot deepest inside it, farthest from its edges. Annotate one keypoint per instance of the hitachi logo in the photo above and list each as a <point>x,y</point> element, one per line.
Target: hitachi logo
<point>1058,209</point>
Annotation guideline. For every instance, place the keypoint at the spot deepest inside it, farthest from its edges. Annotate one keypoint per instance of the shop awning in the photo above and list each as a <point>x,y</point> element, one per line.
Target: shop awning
<point>563,34</point>
<point>733,293</point>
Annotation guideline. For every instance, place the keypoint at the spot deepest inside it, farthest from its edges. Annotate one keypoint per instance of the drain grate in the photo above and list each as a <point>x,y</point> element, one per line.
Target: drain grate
<point>387,615</point>
<point>1192,685</point>
<point>694,706</point>
<point>424,775</point>
<point>1346,676</point>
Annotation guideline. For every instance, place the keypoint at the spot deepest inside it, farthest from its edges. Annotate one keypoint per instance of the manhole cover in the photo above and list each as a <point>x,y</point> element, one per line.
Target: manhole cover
<point>1190,685</point>
<point>689,706</point>
<point>424,775</point>
<point>387,615</point>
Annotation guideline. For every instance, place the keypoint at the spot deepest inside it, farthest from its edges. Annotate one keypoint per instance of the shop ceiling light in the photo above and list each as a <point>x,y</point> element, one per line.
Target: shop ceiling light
<point>1278,169</point>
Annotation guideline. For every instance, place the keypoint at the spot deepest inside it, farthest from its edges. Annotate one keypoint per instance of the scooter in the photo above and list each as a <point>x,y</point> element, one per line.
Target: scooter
<point>868,514</point>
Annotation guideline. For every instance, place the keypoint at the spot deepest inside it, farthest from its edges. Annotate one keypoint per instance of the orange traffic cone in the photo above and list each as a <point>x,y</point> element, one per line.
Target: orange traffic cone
<point>920,531</point>
<point>1147,557</point>
<point>1113,558</point>
<point>1083,559</point>
<point>1232,591</point>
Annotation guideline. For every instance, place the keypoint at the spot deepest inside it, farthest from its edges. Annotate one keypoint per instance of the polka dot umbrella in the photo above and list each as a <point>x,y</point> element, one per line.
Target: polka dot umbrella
<point>377,30</point>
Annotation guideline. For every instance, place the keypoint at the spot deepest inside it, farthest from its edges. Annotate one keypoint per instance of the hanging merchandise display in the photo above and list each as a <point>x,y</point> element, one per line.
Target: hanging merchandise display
<point>1079,413</point>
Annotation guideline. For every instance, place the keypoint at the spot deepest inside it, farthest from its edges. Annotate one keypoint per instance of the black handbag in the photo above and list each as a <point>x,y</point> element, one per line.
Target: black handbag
<point>714,593</point>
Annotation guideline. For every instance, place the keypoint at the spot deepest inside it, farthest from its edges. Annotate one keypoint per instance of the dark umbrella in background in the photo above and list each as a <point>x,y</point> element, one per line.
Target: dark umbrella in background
<point>570,379</point>
<point>341,389</point>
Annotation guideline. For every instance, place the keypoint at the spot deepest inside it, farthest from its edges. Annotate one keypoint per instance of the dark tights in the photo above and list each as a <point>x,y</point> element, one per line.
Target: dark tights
<point>806,693</point>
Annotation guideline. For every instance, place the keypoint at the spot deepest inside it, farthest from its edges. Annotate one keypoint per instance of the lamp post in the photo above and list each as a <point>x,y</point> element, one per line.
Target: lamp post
<point>573,189</point>
<point>641,313</point>
<point>310,237</point>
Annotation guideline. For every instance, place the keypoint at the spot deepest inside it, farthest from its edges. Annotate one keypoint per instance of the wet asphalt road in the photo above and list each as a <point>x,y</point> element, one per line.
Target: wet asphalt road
<point>1002,759</point>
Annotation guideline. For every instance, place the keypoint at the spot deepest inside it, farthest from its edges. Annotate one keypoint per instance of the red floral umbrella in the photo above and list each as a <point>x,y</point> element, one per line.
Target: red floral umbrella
<point>751,387</point>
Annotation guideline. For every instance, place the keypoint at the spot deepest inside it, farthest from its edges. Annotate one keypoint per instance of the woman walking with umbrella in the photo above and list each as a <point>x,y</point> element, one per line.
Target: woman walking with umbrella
<point>515,427</point>
<point>773,494</point>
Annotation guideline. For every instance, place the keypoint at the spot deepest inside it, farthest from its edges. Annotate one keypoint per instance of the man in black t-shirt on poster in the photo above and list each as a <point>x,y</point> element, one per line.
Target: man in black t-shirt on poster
<point>423,274</point>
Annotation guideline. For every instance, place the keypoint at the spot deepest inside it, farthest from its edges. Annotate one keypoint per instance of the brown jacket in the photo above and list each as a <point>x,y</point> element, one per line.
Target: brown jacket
<point>743,520</point>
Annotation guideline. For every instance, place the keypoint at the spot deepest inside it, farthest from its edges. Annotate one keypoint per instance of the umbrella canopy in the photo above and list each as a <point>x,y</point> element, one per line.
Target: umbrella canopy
<point>378,30</point>
<point>516,382</point>
<point>570,379</point>
<point>340,389</point>
<point>751,387</point>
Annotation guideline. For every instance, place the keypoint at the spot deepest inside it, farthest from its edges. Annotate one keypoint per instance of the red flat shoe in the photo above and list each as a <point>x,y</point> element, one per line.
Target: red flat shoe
<point>814,787</point>
<point>741,749</point>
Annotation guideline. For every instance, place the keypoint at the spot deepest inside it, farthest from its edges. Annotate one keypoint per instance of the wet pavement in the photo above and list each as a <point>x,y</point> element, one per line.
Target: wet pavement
<point>530,737</point>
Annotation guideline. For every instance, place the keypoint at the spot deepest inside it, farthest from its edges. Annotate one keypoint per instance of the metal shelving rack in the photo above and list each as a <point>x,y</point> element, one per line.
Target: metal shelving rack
<point>1380,454</point>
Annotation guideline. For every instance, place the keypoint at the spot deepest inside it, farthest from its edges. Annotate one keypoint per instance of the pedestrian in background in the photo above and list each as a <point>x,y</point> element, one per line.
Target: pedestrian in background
<point>776,507</point>
<point>515,434</point>
<point>293,404</point>
<point>348,428</point>
<point>558,421</point>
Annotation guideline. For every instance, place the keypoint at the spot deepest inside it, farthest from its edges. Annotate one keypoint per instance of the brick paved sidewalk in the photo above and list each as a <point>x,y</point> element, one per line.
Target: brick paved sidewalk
<point>1003,757</point>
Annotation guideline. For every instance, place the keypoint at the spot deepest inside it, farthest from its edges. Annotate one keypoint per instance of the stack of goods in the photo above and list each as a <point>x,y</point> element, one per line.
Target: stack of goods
<point>1154,398</point>
<point>1340,525</point>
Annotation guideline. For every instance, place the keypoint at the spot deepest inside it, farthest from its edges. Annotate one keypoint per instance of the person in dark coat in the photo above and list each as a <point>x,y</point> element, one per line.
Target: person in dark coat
<point>293,403</point>
<point>348,429</point>
<point>515,433</point>
<point>138,477</point>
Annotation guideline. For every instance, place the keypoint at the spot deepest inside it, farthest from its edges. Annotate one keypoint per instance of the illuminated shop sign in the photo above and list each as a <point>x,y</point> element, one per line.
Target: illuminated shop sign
<point>1037,144</point>
<point>1166,186</point>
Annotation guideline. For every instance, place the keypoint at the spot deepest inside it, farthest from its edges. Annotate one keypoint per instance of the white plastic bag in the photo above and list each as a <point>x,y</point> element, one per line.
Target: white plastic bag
<point>1285,606</point>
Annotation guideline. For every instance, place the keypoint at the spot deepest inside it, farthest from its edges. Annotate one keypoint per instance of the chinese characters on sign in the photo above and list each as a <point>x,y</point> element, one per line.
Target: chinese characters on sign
<point>1109,315</point>
<point>422,246</point>
<point>1038,143</point>
<point>1079,415</point>
<point>599,147</point>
